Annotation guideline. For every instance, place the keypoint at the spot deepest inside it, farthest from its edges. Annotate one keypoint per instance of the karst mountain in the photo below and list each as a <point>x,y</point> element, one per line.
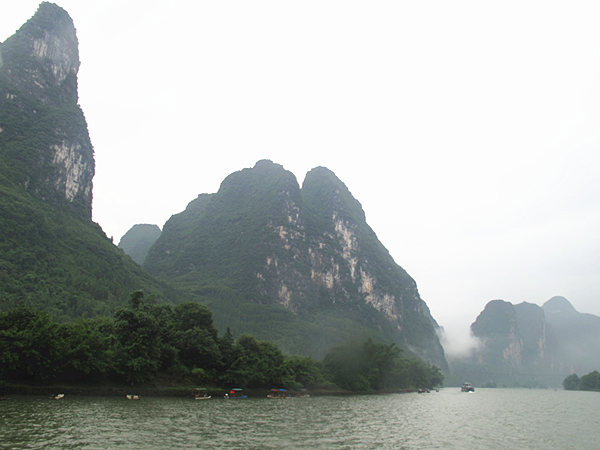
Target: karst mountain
<point>52,255</point>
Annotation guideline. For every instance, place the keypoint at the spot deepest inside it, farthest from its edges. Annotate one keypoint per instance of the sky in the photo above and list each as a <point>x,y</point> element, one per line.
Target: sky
<point>468,130</point>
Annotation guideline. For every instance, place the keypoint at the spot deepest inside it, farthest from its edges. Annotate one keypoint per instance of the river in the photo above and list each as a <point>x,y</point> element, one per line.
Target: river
<point>485,419</point>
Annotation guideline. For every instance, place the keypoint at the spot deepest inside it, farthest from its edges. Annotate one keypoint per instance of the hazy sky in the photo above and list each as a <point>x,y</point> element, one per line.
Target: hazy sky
<point>468,130</point>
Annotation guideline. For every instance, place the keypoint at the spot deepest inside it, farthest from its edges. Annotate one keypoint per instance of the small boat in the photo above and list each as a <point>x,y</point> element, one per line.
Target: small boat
<point>57,396</point>
<point>201,394</point>
<point>467,387</point>
<point>235,394</point>
<point>132,397</point>
<point>277,393</point>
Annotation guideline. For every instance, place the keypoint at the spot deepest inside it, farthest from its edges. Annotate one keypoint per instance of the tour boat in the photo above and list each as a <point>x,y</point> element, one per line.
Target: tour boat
<point>467,387</point>
<point>201,394</point>
<point>235,394</point>
<point>277,393</point>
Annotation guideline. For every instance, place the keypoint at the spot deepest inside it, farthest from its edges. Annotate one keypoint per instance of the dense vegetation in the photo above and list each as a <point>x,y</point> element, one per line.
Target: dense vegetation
<point>145,342</point>
<point>378,367</point>
<point>589,382</point>
<point>52,260</point>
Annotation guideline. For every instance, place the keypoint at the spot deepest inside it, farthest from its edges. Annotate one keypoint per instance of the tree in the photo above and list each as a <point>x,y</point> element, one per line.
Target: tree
<point>590,382</point>
<point>193,315</point>
<point>195,337</point>
<point>28,346</point>
<point>571,382</point>
<point>375,366</point>
<point>303,372</point>
<point>256,364</point>
<point>197,348</point>
<point>85,350</point>
<point>138,342</point>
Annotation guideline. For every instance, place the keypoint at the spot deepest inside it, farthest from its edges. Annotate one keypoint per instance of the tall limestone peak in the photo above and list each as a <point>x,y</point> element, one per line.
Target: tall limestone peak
<point>52,256</point>
<point>42,58</point>
<point>44,141</point>
<point>303,267</point>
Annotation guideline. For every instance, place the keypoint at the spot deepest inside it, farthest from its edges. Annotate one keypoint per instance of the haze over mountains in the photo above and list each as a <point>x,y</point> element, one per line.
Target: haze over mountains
<point>528,345</point>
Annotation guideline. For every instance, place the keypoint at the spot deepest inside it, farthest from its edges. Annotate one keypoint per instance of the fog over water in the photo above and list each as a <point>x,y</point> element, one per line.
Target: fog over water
<point>468,130</point>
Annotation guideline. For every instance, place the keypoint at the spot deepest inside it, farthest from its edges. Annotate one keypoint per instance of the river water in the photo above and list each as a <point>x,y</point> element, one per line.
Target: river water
<point>485,419</point>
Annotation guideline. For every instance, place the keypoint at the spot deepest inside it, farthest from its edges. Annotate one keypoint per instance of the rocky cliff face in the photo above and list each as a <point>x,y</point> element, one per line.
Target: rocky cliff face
<point>308,251</point>
<point>43,134</point>
<point>529,345</point>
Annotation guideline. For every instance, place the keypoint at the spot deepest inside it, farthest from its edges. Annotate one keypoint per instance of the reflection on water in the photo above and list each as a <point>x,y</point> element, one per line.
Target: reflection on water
<point>488,418</point>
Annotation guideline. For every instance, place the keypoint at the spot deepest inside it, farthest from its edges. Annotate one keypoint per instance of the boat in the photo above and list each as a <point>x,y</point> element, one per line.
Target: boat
<point>57,396</point>
<point>201,394</point>
<point>277,393</point>
<point>467,387</point>
<point>235,394</point>
<point>132,396</point>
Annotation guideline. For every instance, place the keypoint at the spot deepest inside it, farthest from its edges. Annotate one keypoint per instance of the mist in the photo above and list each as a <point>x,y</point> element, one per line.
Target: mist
<point>458,342</point>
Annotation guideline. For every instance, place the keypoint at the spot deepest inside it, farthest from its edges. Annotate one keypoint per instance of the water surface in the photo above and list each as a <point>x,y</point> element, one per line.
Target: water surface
<point>488,418</point>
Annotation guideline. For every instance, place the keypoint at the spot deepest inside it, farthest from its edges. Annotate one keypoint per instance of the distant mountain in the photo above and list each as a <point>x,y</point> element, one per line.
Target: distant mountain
<point>528,345</point>
<point>300,267</point>
<point>51,253</point>
<point>138,240</point>
<point>576,336</point>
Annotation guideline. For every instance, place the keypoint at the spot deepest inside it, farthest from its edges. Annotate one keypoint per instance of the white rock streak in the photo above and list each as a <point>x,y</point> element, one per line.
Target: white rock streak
<point>68,157</point>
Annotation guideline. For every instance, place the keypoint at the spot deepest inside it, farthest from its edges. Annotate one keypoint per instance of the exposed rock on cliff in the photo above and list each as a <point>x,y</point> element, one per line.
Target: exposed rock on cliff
<point>44,140</point>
